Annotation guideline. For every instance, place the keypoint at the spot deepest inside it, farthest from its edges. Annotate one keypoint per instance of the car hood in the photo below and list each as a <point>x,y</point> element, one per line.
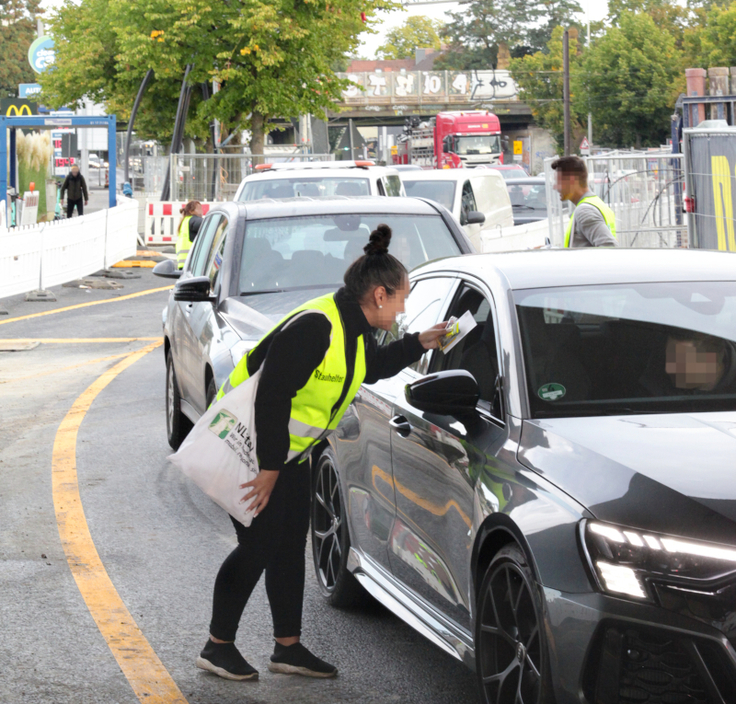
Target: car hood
<point>253,316</point>
<point>672,473</point>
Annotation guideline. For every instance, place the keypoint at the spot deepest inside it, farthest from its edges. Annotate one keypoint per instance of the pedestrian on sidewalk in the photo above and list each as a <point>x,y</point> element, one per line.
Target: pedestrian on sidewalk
<point>76,187</point>
<point>191,219</point>
<point>312,370</point>
<point>593,223</point>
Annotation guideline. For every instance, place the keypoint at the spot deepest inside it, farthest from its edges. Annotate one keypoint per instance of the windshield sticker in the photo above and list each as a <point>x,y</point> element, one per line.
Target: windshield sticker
<point>551,392</point>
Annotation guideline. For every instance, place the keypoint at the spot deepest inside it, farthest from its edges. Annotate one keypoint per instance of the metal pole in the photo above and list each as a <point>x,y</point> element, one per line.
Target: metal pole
<point>590,116</point>
<point>566,88</point>
<point>112,177</point>
<point>350,134</point>
<point>178,129</point>
<point>144,84</point>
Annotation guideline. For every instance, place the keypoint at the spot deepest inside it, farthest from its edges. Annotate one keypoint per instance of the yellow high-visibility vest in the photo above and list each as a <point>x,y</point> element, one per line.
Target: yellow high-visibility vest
<point>314,410</point>
<point>183,243</point>
<point>606,212</point>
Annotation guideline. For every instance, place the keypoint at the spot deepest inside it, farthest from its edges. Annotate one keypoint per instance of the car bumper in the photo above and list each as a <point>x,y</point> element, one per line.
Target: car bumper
<point>611,651</point>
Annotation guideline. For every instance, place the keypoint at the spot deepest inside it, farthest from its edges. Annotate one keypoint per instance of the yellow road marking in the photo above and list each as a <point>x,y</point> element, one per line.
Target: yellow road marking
<point>145,672</point>
<point>63,369</point>
<point>76,340</point>
<point>84,305</point>
<point>134,264</point>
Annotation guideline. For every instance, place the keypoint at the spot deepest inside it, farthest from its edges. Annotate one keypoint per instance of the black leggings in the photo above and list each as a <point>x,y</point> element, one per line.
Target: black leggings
<point>275,541</point>
<point>70,206</point>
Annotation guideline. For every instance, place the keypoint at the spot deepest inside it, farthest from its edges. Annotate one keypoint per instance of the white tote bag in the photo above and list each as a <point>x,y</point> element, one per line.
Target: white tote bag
<point>219,454</point>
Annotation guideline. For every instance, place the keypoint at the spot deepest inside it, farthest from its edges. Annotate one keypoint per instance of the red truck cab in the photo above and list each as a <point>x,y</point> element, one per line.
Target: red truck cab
<point>467,138</point>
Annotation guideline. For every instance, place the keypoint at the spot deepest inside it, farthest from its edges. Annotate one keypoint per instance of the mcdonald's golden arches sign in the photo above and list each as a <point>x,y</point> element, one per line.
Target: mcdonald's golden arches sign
<point>17,107</point>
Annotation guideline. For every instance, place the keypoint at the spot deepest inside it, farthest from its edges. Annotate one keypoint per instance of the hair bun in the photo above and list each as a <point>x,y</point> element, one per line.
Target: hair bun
<point>379,240</point>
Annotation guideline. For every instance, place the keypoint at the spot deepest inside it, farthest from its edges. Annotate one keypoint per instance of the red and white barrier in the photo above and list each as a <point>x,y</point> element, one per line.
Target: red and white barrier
<point>162,220</point>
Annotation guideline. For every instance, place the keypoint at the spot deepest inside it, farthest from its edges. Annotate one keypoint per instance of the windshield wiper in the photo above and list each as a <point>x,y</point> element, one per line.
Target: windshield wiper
<point>289,288</point>
<point>524,205</point>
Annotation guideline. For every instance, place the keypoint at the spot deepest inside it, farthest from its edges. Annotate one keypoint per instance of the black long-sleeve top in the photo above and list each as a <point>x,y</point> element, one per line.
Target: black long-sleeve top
<point>292,355</point>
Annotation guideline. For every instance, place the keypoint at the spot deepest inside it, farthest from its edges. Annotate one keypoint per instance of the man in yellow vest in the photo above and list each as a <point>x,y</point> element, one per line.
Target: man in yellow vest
<point>593,223</point>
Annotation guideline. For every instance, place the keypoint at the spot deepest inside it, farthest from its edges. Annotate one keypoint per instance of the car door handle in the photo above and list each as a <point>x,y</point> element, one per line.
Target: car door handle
<point>401,425</point>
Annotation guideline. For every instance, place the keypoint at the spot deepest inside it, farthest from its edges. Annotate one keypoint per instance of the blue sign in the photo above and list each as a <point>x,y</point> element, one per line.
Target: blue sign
<point>28,90</point>
<point>41,54</point>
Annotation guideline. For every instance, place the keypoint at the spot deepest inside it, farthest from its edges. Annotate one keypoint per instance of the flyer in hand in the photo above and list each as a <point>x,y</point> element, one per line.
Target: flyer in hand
<point>457,329</point>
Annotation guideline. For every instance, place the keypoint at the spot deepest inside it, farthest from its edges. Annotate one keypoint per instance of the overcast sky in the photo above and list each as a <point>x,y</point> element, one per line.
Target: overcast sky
<point>593,10</point>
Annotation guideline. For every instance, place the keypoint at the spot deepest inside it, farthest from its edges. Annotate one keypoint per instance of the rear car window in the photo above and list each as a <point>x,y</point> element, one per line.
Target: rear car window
<point>310,187</point>
<point>442,192</point>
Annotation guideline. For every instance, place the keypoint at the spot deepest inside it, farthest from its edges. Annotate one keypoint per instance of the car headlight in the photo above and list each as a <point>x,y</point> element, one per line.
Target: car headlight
<point>626,561</point>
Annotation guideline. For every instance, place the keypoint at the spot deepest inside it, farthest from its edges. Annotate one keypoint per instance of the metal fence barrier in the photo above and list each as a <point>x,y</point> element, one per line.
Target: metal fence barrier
<point>216,177</point>
<point>644,190</point>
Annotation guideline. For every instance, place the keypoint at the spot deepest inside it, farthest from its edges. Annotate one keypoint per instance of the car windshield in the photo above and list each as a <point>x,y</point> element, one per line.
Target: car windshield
<point>311,186</point>
<point>633,348</point>
<point>528,197</point>
<point>478,144</point>
<point>442,192</point>
<point>314,252</point>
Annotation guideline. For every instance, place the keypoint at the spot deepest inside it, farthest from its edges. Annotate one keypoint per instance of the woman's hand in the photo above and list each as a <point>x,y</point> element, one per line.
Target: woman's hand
<point>262,486</point>
<point>429,338</point>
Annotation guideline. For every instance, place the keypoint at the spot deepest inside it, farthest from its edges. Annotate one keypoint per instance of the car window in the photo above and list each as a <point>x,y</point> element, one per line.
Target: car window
<point>528,197</point>
<point>315,251</point>
<point>214,262</point>
<point>203,243</point>
<point>379,185</point>
<point>393,185</point>
<point>629,348</point>
<point>423,308</point>
<point>442,192</point>
<point>305,186</point>
<point>477,352</point>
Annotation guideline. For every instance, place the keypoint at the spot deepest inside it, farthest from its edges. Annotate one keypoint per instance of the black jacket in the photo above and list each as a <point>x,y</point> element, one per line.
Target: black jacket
<point>290,356</point>
<point>76,186</point>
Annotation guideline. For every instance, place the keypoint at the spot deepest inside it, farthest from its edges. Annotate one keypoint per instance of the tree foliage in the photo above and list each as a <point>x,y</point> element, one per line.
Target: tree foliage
<point>416,33</point>
<point>17,32</point>
<point>539,77</point>
<point>271,58</point>
<point>630,80</point>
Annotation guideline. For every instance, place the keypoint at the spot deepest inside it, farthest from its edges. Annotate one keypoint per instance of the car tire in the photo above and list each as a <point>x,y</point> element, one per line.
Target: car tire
<point>511,654</point>
<point>331,538</point>
<point>177,424</point>
<point>211,392</point>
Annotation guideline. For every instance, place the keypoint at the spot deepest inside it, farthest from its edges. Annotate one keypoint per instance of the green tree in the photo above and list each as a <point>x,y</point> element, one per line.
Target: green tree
<point>556,13</point>
<point>475,33</point>
<point>17,32</point>
<point>539,78</point>
<point>714,43</point>
<point>630,80</point>
<point>272,58</point>
<point>416,33</point>
<point>669,15</point>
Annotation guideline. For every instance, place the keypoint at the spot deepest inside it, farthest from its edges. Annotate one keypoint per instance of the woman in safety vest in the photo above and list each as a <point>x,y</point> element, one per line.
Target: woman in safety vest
<point>188,228</point>
<point>311,371</point>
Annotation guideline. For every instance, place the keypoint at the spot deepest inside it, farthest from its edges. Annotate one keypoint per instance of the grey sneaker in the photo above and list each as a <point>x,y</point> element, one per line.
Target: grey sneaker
<point>297,660</point>
<point>225,660</point>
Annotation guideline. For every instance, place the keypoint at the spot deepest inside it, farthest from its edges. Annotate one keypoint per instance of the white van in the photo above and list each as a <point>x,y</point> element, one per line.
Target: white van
<point>320,178</point>
<point>465,193</point>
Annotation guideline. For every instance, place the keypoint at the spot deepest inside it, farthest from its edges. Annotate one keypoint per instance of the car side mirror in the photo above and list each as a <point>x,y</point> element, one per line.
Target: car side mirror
<point>167,269</point>
<point>450,393</point>
<point>475,218</point>
<point>195,290</point>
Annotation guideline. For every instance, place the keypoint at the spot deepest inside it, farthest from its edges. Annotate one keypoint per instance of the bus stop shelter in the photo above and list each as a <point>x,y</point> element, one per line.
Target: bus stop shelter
<point>44,122</point>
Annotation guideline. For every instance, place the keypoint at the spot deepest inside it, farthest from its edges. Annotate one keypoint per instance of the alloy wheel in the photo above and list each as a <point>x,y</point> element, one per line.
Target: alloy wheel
<point>170,396</point>
<point>327,525</point>
<point>510,644</point>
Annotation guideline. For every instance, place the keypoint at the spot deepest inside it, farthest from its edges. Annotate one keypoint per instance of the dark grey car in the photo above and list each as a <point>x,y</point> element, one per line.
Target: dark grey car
<point>253,263</point>
<point>553,501</point>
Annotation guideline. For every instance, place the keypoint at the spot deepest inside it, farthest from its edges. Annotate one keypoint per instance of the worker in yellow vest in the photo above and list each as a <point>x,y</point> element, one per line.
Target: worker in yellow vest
<point>593,223</point>
<point>313,363</point>
<point>188,228</point>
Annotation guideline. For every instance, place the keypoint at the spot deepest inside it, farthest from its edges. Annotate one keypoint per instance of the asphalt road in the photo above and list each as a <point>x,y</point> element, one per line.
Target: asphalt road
<point>160,541</point>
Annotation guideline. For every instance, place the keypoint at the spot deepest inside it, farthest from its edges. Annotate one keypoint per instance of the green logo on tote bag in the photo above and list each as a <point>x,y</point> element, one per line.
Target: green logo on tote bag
<point>222,424</point>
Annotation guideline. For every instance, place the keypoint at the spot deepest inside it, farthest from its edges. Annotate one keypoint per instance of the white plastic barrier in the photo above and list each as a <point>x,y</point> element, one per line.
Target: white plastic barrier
<point>162,220</point>
<point>51,253</point>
